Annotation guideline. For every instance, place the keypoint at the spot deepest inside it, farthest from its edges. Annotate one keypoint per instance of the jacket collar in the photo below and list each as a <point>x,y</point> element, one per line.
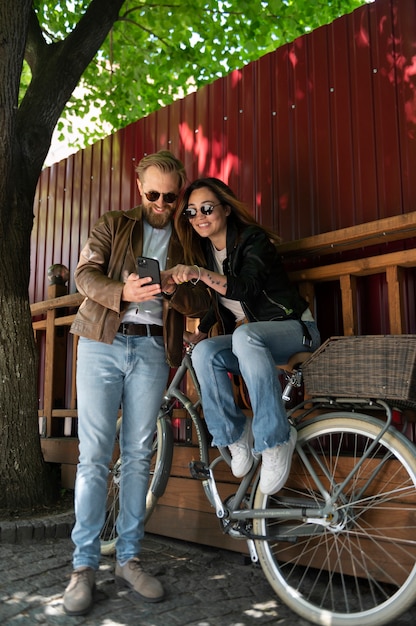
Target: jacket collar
<point>134,214</point>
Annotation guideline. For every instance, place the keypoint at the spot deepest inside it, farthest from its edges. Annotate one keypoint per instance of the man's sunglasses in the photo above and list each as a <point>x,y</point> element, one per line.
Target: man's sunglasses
<point>206,209</point>
<point>152,196</point>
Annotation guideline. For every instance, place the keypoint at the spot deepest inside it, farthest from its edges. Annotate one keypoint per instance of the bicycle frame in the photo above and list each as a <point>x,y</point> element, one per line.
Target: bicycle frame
<point>317,515</point>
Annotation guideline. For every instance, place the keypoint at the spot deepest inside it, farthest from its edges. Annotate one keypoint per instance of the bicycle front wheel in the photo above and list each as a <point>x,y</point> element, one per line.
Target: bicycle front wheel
<point>160,465</point>
<point>358,566</point>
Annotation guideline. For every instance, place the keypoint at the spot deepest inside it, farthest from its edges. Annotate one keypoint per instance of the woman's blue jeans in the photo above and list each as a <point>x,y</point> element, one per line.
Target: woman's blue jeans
<point>253,351</point>
<point>130,374</point>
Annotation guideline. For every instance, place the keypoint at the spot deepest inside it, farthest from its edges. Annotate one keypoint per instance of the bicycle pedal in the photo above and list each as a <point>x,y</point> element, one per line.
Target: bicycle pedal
<point>199,470</point>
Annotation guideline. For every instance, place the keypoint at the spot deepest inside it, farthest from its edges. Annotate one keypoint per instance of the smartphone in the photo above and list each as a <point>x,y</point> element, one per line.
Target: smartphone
<point>149,267</point>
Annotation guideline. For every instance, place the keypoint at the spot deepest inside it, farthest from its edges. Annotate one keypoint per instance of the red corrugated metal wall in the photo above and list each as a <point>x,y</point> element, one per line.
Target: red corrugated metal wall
<point>316,136</point>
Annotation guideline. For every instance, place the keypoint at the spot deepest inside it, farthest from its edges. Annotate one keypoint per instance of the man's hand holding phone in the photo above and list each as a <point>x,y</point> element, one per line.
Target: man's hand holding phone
<point>138,289</point>
<point>145,285</point>
<point>149,267</point>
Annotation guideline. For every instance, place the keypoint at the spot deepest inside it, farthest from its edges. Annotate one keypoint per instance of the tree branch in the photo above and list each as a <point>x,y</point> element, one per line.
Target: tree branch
<point>56,71</point>
<point>35,43</point>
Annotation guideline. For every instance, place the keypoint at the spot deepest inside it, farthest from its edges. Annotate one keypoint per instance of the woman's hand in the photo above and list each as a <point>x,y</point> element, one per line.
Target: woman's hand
<point>184,273</point>
<point>194,337</point>
<point>168,284</point>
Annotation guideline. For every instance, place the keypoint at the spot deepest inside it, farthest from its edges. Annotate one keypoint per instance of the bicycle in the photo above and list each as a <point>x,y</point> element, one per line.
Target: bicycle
<point>335,543</point>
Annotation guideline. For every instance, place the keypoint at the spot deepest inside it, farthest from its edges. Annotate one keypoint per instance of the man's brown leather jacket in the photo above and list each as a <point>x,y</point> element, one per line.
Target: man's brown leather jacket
<point>107,258</point>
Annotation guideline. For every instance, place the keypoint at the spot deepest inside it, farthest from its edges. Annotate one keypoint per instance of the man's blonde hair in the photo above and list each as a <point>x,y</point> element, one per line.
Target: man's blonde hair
<point>166,163</point>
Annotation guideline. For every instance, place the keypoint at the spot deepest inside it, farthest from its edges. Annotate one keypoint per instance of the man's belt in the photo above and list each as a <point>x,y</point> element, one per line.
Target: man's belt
<point>141,330</point>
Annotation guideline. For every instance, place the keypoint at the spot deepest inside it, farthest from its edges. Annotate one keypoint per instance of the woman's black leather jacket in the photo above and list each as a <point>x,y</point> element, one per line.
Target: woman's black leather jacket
<point>256,277</point>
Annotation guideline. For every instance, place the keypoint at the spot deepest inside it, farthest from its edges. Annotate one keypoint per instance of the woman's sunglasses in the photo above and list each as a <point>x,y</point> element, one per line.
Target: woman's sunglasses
<point>152,196</point>
<point>206,209</point>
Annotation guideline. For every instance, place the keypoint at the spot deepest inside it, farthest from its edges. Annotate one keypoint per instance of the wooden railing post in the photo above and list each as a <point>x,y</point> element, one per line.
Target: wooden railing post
<point>49,368</point>
<point>348,285</point>
<point>394,277</point>
<point>54,291</point>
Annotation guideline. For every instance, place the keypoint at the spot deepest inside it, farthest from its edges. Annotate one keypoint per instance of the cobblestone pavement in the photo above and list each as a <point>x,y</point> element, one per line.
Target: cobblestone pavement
<point>205,586</point>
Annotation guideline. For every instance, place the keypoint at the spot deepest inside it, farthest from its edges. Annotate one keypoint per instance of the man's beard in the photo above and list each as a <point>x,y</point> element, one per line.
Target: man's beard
<point>157,220</point>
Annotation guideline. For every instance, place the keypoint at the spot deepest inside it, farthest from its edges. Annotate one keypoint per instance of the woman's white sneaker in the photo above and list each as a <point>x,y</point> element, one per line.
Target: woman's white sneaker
<point>276,463</point>
<point>242,452</point>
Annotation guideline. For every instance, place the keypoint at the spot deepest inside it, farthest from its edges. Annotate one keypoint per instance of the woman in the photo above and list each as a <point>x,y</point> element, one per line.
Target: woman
<point>237,259</point>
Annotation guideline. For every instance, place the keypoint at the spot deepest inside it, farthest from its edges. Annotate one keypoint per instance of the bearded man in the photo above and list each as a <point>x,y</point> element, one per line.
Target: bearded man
<point>130,332</point>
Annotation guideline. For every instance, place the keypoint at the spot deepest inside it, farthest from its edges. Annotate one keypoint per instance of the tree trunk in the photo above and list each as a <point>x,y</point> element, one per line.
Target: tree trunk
<point>25,134</point>
<point>24,479</point>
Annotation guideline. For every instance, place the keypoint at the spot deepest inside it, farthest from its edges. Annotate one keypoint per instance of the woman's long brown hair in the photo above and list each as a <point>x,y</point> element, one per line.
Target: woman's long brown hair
<point>240,215</point>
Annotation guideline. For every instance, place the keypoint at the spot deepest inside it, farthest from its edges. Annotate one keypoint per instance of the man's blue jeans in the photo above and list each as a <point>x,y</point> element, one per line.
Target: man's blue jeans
<point>130,374</point>
<point>253,351</point>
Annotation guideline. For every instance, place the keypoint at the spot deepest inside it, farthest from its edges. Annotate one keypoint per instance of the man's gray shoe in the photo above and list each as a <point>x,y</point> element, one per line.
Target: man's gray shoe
<point>79,595</point>
<point>145,586</point>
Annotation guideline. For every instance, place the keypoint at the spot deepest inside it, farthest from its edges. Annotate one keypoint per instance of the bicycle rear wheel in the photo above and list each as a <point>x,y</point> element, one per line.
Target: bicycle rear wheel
<point>358,568</point>
<point>160,465</point>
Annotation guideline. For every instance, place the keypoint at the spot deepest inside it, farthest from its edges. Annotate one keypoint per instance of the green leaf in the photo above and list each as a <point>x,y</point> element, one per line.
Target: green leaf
<point>157,52</point>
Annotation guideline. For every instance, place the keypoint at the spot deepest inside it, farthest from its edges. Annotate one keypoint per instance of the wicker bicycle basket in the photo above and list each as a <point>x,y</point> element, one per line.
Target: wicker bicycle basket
<point>369,366</point>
